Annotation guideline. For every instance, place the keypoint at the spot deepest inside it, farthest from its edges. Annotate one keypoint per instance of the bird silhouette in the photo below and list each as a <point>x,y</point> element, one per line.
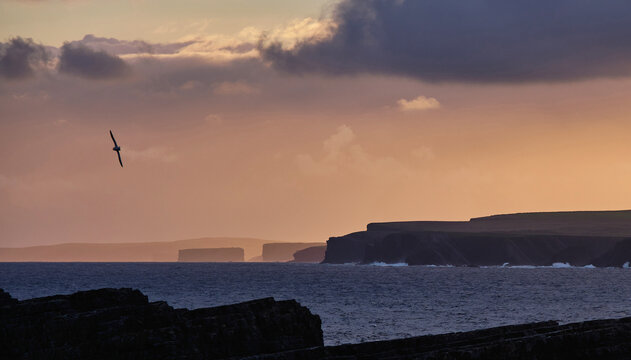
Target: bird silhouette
<point>117,149</point>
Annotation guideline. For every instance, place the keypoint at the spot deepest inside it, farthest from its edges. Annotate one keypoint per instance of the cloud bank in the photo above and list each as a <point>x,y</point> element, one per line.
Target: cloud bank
<point>20,57</point>
<point>419,103</point>
<point>82,61</point>
<point>483,41</point>
<point>123,47</point>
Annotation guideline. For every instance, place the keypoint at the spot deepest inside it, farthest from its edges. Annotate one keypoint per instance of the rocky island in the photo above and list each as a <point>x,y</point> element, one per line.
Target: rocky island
<point>582,238</point>
<point>158,251</point>
<point>123,324</point>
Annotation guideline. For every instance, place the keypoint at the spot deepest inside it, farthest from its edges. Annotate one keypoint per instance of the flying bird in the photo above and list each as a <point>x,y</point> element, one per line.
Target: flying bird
<point>117,149</point>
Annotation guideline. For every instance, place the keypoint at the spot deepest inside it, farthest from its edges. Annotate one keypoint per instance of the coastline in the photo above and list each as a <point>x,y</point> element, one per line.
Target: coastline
<point>121,323</point>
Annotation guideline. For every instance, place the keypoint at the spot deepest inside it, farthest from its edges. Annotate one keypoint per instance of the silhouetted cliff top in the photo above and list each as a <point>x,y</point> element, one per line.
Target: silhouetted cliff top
<point>600,223</point>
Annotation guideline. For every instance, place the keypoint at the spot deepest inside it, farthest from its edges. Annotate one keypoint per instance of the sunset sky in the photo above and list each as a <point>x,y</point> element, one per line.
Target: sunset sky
<point>299,120</point>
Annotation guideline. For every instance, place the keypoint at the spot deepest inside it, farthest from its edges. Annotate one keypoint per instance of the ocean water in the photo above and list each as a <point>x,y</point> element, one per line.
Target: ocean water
<point>356,302</point>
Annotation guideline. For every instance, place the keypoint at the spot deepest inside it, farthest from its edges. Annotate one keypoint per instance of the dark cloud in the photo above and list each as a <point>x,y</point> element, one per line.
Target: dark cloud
<point>121,47</point>
<point>20,57</point>
<point>82,61</point>
<point>471,41</point>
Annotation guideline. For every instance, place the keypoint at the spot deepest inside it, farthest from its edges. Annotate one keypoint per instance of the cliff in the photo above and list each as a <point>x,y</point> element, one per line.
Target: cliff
<point>596,223</point>
<point>281,252</point>
<point>314,254</point>
<point>539,239</point>
<point>233,254</point>
<point>122,324</point>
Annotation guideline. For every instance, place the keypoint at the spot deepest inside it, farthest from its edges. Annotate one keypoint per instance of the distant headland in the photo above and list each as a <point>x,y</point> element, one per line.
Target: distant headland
<point>209,249</point>
<point>577,238</point>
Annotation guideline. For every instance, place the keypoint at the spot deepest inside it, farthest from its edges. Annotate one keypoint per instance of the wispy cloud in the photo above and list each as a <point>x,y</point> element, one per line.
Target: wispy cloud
<point>342,154</point>
<point>213,119</point>
<point>235,88</point>
<point>159,154</point>
<point>424,153</point>
<point>419,103</point>
<point>119,47</point>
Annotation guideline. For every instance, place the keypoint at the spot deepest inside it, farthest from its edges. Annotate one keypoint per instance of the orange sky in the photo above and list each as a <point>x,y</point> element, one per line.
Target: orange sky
<point>218,142</point>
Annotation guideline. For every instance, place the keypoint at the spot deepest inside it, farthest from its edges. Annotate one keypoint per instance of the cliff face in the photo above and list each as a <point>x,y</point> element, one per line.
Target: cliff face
<point>540,239</point>
<point>352,248</point>
<point>122,324</point>
<point>281,252</point>
<point>211,255</point>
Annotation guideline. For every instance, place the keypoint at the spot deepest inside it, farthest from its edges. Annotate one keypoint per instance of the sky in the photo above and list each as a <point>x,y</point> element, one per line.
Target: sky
<point>299,120</point>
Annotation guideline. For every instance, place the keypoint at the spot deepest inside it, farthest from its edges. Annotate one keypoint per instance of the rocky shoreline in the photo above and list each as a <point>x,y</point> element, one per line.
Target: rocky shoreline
<point>123,324</point>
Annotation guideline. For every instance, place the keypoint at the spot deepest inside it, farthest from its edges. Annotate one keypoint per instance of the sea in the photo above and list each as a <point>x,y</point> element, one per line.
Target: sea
<point>356,303</point>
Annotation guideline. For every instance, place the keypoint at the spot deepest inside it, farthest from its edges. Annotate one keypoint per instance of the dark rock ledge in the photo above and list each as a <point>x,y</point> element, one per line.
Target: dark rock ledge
<point>122,324</point>
<point>590,340</point>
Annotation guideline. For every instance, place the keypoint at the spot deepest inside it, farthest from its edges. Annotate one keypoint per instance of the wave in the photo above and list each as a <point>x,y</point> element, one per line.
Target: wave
<point>556,265</point>
<point>437,266</point>
<point>380,263</point>
<point>386,264</point>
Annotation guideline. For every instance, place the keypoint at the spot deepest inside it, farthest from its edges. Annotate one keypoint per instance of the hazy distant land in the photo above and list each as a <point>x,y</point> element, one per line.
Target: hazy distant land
<point>231,254</point>
<point>578,238</point>
<point>134,252</point>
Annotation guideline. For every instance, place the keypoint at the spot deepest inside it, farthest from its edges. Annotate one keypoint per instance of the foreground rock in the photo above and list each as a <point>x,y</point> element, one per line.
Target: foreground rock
<point>6,299</point>
<point>601,238</point>
<point>122,324</point>
<point>601,339</point>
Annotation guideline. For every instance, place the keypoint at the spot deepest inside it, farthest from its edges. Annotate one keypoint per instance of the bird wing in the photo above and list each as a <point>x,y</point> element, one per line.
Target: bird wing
<point>119,158</point>
<point>112,135</point>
